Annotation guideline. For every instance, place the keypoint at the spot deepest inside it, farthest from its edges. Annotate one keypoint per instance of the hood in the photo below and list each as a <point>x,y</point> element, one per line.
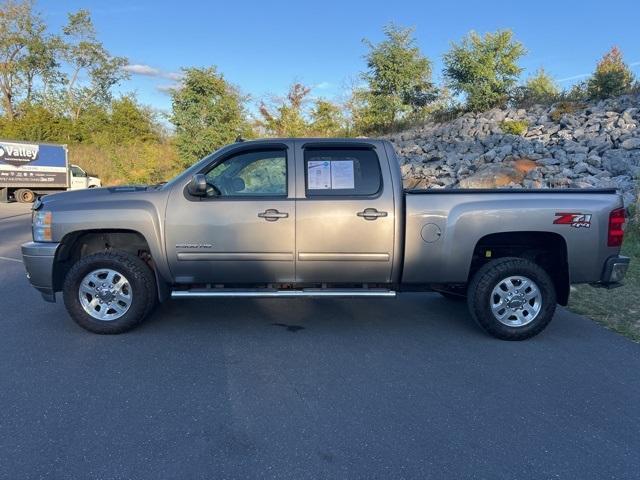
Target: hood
<point>85,198</point>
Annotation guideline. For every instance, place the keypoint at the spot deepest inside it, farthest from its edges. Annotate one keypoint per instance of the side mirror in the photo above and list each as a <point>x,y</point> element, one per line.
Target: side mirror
<point>198,185</point>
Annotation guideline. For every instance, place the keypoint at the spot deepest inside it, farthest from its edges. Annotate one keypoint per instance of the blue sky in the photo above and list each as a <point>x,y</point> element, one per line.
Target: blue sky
<point>264,46</point>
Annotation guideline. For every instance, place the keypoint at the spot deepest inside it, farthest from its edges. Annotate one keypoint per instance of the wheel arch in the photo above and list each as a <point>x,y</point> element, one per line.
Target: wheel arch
<point>80,243</point>
<point>547,249</point>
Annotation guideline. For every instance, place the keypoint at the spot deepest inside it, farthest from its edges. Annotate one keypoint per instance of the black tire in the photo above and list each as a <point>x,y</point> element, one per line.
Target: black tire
<point>140,278</point>
<point>479,297</point>
<point>24,195</point>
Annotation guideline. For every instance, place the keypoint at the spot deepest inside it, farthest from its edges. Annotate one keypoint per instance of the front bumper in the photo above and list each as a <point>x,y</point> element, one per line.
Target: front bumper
<point>615,268</point>
<point>38,258</point>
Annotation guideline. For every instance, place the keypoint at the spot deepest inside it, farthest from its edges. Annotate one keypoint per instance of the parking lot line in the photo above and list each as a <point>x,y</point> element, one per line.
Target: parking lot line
<point>11,259</point>
<point>14,216</point>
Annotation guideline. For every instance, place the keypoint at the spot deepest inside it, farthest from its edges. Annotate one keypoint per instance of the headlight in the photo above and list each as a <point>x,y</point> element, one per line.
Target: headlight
<point>42,226</point>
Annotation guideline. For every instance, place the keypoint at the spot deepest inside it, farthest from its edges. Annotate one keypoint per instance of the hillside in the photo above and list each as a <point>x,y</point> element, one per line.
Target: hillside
<point>575,145</point>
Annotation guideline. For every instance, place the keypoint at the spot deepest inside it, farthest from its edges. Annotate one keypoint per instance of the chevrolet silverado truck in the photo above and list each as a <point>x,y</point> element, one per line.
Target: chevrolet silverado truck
<point>320,218</point>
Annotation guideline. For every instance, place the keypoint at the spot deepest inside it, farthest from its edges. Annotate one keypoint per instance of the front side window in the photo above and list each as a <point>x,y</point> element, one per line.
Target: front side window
<point>259,173</point>
<point>341,172</point>
<point>77,171</point>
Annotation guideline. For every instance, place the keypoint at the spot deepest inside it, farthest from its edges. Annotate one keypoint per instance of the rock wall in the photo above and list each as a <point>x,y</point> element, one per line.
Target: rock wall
<point>593,145</point>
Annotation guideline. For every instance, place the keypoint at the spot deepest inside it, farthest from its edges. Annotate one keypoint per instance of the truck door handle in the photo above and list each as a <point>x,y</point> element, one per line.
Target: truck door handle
<point>371,214</point>
<point>271,215</point>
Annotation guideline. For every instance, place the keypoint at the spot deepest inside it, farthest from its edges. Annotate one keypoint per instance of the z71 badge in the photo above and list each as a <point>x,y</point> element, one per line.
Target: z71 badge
<point>577,220</point>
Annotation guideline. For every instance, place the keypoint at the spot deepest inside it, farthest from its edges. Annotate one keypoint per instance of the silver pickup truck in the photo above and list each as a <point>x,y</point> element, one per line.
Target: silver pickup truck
<point>320,218</point>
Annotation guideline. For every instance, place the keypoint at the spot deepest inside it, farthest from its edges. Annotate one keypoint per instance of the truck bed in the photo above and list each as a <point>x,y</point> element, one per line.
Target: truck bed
<point>445,226</point>
<point>463,191</point>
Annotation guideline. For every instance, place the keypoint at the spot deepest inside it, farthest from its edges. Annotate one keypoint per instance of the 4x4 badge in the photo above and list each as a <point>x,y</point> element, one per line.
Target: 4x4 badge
<point>577,220</point>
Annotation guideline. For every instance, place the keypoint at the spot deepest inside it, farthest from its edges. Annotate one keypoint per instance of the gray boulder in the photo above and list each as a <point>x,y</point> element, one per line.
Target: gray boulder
<point>631,143</point>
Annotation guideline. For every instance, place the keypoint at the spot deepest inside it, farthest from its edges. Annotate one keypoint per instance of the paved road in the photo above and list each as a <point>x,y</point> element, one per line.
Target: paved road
<point>404,388</point>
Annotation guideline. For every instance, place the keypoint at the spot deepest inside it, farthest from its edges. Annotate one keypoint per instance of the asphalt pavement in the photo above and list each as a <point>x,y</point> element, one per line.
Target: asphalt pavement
<point>302,388</point>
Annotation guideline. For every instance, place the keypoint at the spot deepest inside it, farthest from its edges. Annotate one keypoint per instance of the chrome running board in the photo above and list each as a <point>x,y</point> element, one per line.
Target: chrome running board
<point>266,293</point>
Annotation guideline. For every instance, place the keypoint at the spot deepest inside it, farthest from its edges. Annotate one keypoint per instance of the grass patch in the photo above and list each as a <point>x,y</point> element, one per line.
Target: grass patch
<point>565,107</point>
<point>514,127</point>
<point>131,163</point>
<point>617,309</point>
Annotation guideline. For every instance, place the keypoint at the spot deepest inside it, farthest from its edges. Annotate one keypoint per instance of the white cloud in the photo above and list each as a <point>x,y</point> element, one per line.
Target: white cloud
<point>139,69</point>
<point>168,87</point>
<point>583,75</point>
<point>149,71</point>
<point>172,75</point>
<point>573,77</point>
<point>323,85</point>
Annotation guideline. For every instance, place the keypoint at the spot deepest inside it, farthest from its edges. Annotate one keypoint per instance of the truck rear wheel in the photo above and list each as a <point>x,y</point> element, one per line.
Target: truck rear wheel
<point>24,195</point>
<point>512,298</point>
<point>109,292</point>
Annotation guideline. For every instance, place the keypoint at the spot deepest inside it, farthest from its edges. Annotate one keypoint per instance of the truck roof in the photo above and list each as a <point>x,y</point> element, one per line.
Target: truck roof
<point>327,140</point>
<point>26,142</point>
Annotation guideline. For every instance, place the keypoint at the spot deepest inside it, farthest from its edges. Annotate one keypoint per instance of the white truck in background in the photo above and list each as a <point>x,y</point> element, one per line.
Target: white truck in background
<point>28,170</point>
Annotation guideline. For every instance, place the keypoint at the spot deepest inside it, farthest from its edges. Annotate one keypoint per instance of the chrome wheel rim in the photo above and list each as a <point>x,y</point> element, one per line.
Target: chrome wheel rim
<point>105,294</point>
<point>515,301</point>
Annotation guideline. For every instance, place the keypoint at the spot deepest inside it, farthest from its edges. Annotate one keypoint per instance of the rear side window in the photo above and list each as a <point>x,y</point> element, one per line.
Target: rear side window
<point>341,172</point>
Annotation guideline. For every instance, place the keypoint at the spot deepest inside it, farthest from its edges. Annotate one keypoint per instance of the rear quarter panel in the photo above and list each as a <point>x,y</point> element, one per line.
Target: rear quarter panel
<point>464,219</point>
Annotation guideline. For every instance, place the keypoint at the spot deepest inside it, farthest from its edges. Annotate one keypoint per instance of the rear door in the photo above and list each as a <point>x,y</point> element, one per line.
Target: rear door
<point>345,213</point>
<point>244,231</point>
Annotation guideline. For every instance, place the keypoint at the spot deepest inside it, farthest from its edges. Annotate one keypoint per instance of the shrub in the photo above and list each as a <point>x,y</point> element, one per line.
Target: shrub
<point>484,68</point>
<point>632,229</point>
<point>398,83</point>
<point>565,107</point>
<point>447,114</point>
<point>538,89</point>
<point>133,163</point>
<point>208,112</point>
<point>36,124</point>
<point>514,127</point>
<point>612,76</point>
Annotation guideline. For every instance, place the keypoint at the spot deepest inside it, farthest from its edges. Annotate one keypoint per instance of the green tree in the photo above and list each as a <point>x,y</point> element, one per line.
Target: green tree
<point>36,123</point>
<point>208,112</point>
<point>287,117</point>
<point>87,58</point>
<point>484,68</point>
<point>91,126</point>
<point>540,88</point>
<point>26,52</point>
<point>42,64</point>
<point>612,76</point>
<point>398,80</point>
<point>132,122</point>
<point>327,119</point>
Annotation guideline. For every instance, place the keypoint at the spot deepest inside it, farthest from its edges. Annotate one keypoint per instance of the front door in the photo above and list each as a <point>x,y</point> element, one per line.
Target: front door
<point>345,215</point>
<point>243,231</point>
<point>78,178</point>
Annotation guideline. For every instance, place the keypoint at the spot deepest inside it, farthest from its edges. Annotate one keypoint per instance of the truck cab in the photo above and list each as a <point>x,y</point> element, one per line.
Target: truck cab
<point>303,212</point>
<point>80,179</point>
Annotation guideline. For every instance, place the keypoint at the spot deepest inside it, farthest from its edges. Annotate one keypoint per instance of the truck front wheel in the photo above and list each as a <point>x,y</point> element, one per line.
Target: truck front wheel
<point>109,292</point>
<point>511,298</point>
